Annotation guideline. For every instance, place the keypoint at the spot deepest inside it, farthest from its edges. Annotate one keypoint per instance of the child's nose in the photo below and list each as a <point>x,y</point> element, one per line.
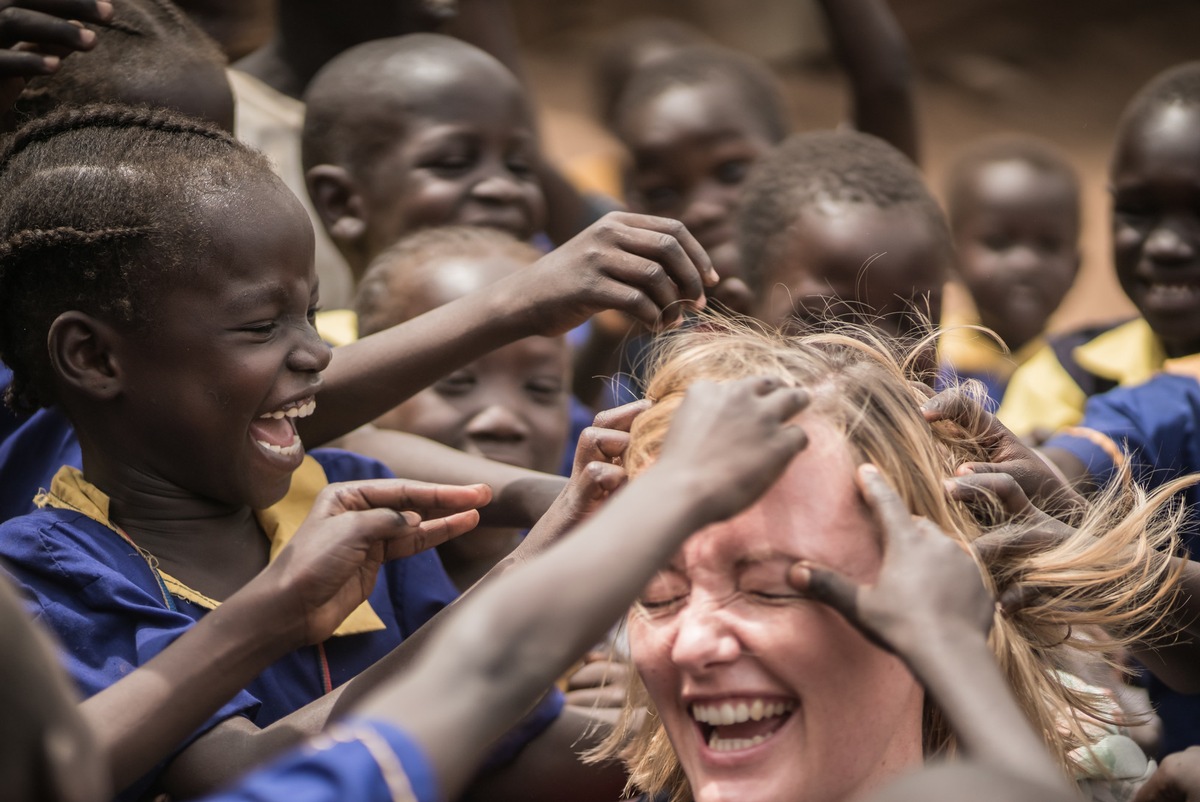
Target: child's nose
<point>311,354</point>
<point>1168,244</point>
<point>498,187</point>
<point>497,423</point>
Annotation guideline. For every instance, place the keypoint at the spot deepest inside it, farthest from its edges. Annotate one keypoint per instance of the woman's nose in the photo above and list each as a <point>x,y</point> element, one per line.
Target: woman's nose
<point>497,423</point>
<point>704,640</point>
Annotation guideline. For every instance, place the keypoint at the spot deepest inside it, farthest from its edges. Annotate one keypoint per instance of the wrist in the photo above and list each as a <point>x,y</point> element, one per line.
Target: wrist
<point>929,647</point>
<point>263,620</point>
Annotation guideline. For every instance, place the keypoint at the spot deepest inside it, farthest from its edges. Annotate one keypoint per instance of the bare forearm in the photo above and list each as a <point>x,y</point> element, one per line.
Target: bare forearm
<point>368,377</point>
<point>142,718</point>
<point>872,49</point>
<point>519,496</point>
<point>961,674</point>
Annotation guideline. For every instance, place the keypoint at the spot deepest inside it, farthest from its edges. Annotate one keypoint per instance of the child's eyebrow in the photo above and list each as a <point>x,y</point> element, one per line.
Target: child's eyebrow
<point>255,297</point>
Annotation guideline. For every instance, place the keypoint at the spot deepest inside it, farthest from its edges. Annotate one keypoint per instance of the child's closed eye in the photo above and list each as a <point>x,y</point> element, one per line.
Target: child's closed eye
<point>733,172</point>
<point>545,390</point>
<point>456,384</point>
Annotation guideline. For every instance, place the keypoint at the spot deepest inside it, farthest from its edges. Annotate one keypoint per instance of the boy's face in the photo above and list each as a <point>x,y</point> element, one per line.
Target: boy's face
<point>231,342</point>
<point>692,148</point>
<point>466,156</point>
<point>509,406</point>
<point>855,261</point>
<point>1155,182</point>
<point>1017,237</point>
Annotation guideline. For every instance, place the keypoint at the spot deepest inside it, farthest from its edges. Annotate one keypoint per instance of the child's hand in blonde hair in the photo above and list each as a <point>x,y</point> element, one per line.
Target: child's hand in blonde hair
<point>647,267</point>
<point>927,583</point>
<point>596,474</point>
<point>1035,476</point>
<point>732,440</point>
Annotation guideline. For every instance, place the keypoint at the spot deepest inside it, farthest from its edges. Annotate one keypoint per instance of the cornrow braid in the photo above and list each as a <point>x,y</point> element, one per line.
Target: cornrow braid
<point>94,116</point>
<point>98,213</point>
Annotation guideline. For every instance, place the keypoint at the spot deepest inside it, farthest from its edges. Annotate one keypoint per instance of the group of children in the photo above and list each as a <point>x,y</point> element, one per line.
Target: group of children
<point>219,594</point>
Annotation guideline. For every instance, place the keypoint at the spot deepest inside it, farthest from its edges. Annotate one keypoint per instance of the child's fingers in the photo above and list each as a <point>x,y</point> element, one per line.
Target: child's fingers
<point>632,301</point>
<point>426,498</point>
<point>955,406</point>
<point>888,508</point>
<point>980,488</point>
<point>26,25</point>
<point>696,254</point>
<point>651,279</point>
<point>826,586</point>
<point>621,418</point>
<point>83,10</point>
<point>429,533</point>
<point>597,444</point>
<point>604,478</point>
<point>26,64</point>
<point>664,248</point>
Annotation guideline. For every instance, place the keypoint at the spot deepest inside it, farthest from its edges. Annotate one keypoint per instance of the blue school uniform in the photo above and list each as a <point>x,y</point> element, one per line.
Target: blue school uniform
<point>1155,427</point>
<point>113,611</point>
<point>364,761</point>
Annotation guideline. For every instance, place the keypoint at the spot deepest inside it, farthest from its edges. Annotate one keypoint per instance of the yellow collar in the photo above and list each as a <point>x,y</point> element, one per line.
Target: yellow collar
<point>1128,354</point>
<point>972,351</point>
<point>69,490</point>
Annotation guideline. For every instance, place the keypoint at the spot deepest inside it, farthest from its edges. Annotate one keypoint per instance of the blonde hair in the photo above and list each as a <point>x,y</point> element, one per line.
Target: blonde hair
<point>1114,572</point>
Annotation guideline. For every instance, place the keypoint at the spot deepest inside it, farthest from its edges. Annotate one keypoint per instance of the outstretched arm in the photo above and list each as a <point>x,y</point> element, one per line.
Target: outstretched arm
<point>327,570</point>
<point>873,51</point>
<point>504,645</point>
<point>649,267</point>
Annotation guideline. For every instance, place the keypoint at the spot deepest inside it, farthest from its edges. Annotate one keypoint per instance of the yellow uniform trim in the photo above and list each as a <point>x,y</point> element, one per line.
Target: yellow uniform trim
<point>69,490</point>
<point>1042,395</point>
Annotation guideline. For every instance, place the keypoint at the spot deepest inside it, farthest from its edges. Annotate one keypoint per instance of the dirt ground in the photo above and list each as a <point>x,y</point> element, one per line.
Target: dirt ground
<point>1061,69</point>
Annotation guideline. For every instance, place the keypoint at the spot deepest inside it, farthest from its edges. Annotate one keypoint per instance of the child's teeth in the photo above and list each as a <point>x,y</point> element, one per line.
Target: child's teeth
<point>287,451</point>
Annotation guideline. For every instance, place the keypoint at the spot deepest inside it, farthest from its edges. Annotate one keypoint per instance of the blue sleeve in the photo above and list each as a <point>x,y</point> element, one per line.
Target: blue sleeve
<point>1153,424</point>
<point>31,455</point>
<point>98,597</point>
<point>361,761</point>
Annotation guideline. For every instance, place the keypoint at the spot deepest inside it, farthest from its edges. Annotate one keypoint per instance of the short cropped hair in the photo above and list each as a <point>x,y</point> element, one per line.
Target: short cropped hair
<point>1038,154</point>
<point>356,105</point>
<point>624,52</point>
<point>825,166</point>
<point>376,304</point>
<point>703,64</point>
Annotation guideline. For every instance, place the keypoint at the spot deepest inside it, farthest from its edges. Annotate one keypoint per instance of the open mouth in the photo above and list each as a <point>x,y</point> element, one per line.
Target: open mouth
<point>742,723</point>
<point>275,431</point>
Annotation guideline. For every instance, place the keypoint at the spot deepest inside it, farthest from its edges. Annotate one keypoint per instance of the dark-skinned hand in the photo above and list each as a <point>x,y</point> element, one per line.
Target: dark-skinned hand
<point>35,35</point>
<point>926,580</point>
<point>1177,779</point>
<point>330,566</point>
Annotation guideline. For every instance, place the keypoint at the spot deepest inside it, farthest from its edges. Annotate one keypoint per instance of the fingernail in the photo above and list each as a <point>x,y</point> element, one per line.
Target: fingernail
<point>87,37</point>
<point>104,10</point>
<point>51,63</point>
<point>868,469</point>
<point>410,518</point>
<point>964,470</point>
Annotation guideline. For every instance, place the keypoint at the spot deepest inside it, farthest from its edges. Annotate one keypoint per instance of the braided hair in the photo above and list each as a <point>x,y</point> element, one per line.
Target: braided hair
<point>98,209</point>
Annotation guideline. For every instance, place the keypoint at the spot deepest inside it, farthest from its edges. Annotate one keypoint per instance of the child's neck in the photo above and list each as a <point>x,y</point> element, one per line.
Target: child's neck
<point>212,547</point>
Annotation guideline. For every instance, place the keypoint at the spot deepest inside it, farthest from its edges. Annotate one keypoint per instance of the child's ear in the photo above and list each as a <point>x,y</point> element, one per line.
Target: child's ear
<point>82,354</point>
<point>339,203</point>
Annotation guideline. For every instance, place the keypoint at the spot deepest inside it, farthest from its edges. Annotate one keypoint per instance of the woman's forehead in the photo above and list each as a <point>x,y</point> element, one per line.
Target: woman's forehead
<point>813,512</point>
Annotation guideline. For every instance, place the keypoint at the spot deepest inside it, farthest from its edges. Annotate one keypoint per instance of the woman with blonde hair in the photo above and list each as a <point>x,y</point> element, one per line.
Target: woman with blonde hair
<point>755,691</point>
